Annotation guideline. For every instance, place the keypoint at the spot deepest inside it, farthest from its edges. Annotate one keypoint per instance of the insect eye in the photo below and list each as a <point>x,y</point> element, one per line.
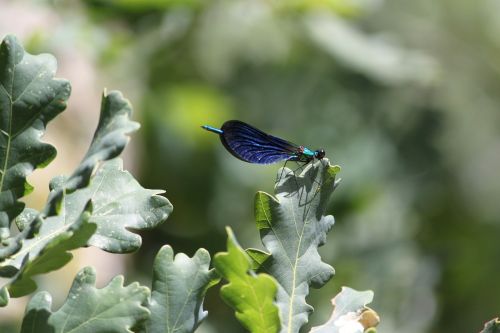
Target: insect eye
<point>320,153</point>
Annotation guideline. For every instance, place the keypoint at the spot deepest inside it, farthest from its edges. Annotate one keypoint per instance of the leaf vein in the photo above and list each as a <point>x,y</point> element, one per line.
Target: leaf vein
<point>185,301</point>
<point>7,148</point>
<point>29,84</point>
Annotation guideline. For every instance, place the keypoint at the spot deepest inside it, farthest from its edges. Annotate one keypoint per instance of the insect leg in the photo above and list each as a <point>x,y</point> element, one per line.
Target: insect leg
<point>281,174</point>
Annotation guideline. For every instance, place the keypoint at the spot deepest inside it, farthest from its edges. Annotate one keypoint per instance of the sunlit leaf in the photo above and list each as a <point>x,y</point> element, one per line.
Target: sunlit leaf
<point>179,286</point>
<point>350,313</point>
<point>121,204</point>
<point>292,227</point>
<point>251,295</point>
<point>114,308</point>
<point>30,97</point>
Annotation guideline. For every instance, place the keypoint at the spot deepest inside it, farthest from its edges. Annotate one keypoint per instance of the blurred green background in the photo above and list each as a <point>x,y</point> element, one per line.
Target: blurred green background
<point>404,95</point>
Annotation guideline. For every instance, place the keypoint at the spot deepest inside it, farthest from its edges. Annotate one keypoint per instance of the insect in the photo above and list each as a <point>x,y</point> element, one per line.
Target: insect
<point>250,144</point>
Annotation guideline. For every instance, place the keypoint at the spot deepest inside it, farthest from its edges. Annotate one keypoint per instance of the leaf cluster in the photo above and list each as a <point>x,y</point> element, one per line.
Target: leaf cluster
<point>97,205</point>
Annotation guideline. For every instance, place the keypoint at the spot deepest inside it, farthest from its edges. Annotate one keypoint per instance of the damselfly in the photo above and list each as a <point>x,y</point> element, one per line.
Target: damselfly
<point>250,144</point>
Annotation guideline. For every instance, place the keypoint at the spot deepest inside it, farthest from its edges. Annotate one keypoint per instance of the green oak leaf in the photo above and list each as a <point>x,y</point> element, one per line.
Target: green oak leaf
<point>292,227</point>
<point>350,311</point>
<point>114,308</point>
<point>49,250</point>
<point>110,138</point>
<point>493,326</point>
<point>179,286</point>
<point>251,295</point>
<point>120,204</point>
<point>30,97</point>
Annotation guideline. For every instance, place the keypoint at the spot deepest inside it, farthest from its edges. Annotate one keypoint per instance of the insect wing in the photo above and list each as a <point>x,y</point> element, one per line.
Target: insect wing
<point>254,146</point>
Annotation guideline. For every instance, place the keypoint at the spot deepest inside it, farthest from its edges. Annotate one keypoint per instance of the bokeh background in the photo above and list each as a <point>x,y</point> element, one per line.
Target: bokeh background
<point>404,95</point>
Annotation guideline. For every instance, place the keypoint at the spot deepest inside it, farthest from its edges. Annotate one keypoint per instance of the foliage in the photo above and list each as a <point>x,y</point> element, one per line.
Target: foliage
<point>292,227</point>
<point>114,308</point>
<point>251,295</point>
<point>350,312</point>
<point>88,208</point>
<point>179,286</point>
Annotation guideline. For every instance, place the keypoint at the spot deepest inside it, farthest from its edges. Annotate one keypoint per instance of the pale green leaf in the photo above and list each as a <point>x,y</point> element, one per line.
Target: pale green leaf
<point>179,286</point>
<point>292,227</point>
<point>112,309</point>
<point>250,295</point>
<point>30,97</point>
<point>350,313</point>
<point>120,204</point>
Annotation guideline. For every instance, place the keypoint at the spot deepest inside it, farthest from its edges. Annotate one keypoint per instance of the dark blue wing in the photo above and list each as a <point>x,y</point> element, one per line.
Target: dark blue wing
<point>254,146</point>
